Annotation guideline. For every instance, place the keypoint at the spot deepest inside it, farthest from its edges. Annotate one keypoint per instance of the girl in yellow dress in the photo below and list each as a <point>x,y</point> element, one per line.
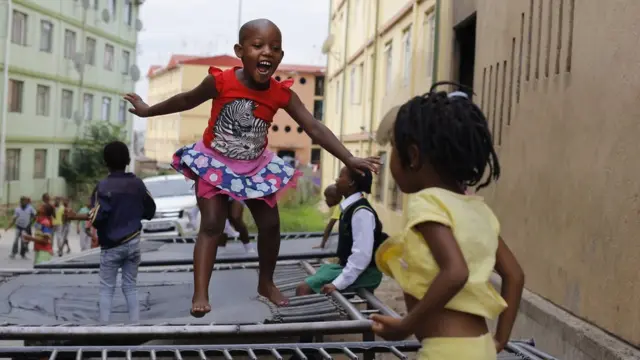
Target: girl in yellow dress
<point>451,243</point>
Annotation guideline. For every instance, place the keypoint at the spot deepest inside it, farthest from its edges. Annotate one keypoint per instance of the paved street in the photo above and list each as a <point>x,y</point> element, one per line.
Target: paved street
<point>6,242</point>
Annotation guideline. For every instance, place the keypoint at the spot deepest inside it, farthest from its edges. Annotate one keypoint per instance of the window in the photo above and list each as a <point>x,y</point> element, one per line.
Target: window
<point>108,57</point>
<point>406,44</point>
<point>317,109</point>
<point>87,105</point>
<point>106,108</point>
<point>429,38</point>
<point>96,4</point>
<point>381,177</point>
<point>40,164</point>
<point>63,158</point>
<point>112,9</point>
<point>356,83</point>
<point>128,12</point>
<point>122,112</point>
<point>46,36</point>
<point>388,49</point>
<point>125,62</point>
<point>19,29</point>
<point>90,51</point>
<point>319,91</point>
<point>352,85</point>
<point>315,156</point>
<point>66,106</point>
<point>13,165</point>
<point>16,92</point>
<point>42,100</point>
<point>69,43</point>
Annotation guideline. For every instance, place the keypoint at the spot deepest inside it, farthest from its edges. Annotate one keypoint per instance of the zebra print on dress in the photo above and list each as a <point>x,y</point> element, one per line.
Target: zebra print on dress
<point>238,134</point>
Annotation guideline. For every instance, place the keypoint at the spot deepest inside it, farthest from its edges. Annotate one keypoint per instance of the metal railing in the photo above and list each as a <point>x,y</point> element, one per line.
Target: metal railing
<point>278,351</point>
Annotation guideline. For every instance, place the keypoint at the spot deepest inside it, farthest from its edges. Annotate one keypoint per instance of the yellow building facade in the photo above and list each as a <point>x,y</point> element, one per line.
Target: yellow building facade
<point>165,134</point>
<point>392,51</point>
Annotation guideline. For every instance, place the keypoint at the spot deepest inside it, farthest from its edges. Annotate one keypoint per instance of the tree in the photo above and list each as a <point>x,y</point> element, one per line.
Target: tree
<point>86,164</point>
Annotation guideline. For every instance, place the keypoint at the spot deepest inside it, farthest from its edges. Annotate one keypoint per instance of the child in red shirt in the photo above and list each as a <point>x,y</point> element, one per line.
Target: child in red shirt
<point>232,159</point>
<point>42,235</point>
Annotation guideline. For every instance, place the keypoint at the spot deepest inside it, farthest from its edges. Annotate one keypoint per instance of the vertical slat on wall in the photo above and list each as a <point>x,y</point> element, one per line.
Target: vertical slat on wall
<point>572,8</point>
<point>559,32</point>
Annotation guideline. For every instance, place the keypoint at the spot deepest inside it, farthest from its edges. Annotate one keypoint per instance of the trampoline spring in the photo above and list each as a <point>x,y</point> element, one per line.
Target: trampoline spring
<point>251,354</point>
<point>79,354</point>
<point>300,354</point>
<point>152,355</point>
<point>373,311</point>
<point>103,354</point>
<point>276,354</point>
<point>227,354</point>
<point>128,354</point>
<point>397,353</point>
<point>324,354</point>
<point>53,355</point>
<point>349,353</point>
<point>177,355</point>
<point>357,301</point>
<point>202,355</point>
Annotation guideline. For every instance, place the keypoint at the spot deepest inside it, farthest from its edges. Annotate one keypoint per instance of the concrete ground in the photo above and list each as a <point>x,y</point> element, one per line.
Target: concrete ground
<point>6,243</point>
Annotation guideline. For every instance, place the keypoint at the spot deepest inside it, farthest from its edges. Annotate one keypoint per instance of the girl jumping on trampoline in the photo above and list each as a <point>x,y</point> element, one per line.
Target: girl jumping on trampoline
<point>451,242</point>
<point>232,159</point>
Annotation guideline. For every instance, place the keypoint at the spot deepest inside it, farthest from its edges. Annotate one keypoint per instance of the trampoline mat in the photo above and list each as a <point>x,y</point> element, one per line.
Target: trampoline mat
<point>164,297</point>
<point>155,251</point>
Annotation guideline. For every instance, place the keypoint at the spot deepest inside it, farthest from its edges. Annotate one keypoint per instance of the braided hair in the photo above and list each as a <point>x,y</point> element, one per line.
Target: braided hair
<point>451,133</point>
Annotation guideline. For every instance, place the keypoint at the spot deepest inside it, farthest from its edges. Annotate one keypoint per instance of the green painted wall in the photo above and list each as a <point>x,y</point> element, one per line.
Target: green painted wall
<point>28,63</point>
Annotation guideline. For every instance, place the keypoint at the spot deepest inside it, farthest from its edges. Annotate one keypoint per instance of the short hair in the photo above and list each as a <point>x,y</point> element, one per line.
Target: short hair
<point>331,190</point>
<point>252,25</point>
<point>116,155</point>
<point>48,209</point>
<point>451,134</point>
<point>362,181</point>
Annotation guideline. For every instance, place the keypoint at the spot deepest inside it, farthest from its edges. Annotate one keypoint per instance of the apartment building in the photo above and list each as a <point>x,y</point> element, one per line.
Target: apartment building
<point>388,55</point>
<point>68,63</point>
<point>165,134</point>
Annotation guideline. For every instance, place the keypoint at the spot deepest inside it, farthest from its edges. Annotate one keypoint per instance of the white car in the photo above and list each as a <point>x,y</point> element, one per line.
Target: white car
<point>176,205</point>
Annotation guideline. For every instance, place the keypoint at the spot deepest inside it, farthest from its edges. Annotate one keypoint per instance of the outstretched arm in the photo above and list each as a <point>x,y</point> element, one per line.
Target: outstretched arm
<point>323,136</point>
<point>511,290</point>
<point>177,103</point>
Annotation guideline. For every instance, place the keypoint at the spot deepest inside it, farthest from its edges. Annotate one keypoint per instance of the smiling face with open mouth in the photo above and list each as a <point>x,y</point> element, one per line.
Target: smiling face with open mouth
<point>260,50</point>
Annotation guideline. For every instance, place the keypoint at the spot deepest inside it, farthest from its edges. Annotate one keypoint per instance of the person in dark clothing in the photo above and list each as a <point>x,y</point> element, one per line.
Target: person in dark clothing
<point>119,203</point>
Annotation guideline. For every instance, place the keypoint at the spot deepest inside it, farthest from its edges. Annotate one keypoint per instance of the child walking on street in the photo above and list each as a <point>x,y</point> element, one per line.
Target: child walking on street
<point>451,243</point>
<point>22,219</point>
<point>232,159</point>
<point>42,237</point>
<point>359,236</point>
<point>119,203</point>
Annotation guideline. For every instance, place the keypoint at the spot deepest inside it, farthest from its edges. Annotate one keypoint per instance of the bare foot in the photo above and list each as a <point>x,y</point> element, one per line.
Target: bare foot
<point>199,306</point>
<point>273,294</point>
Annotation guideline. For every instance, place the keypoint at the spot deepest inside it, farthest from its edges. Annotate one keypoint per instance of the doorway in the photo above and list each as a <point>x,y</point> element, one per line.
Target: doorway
<point>465,34</point>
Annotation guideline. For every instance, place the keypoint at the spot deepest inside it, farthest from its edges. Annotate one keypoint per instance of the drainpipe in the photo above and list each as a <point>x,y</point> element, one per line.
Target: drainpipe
<point>344,71</point>
<point>436,43</point>
<point>374,77</point>
<point>5,97</point>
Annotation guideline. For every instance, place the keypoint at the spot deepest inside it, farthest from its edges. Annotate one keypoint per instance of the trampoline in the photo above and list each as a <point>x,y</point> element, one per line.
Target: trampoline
<point>179,251</point>
<point>64,303</point>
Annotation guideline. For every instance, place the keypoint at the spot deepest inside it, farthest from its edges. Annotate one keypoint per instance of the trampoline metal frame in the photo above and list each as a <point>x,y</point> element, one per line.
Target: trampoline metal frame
<point>522,349</point>
<point>192,239</point>
<point>61,263</point>
<point>357,323</point>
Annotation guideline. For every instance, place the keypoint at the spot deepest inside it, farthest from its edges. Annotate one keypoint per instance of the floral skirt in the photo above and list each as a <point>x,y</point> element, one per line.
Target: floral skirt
<point>265,178</point>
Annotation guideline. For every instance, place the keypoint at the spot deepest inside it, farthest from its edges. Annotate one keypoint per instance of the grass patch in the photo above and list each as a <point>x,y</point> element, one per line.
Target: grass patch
<point>294,218</point>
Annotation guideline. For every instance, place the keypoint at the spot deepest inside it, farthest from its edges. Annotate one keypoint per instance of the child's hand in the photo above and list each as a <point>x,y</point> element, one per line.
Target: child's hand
<point>140,108</point>
<point>389,328</point>
<point>328,289</point>
<point>499,345</point>
<point>359,164</point>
